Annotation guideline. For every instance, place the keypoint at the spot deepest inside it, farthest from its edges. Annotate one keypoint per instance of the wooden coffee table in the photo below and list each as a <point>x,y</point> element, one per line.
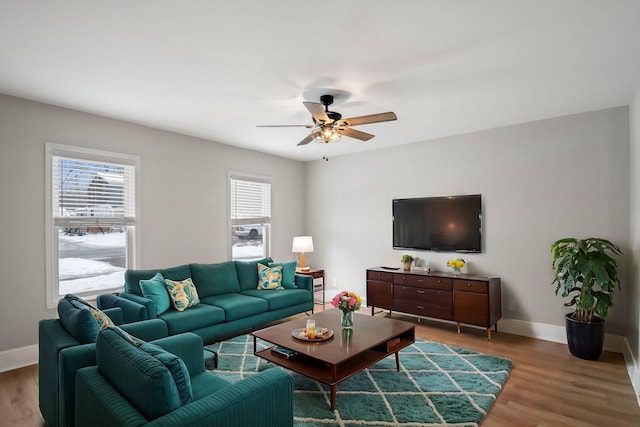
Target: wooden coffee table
<point>345,354</point>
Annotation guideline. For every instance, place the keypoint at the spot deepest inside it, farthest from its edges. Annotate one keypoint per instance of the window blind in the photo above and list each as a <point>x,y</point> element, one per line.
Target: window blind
<point>92,193</point>
<point>250,201</point>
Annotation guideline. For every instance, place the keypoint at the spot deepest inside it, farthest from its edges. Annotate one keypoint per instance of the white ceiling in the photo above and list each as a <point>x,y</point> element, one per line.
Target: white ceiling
<point>216,69</point>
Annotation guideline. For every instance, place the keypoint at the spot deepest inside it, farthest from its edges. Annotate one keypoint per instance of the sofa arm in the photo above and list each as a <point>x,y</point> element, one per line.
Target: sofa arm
<point>131,311</point>
<point>188,347</point>
<point>98,403</point>
<point>52,339</point>
<point>70,360</point>
<point>304,282</point>
<point>115,314</point>
<point>147,330</point>
<point>149,306</point>
<point>261,400</point>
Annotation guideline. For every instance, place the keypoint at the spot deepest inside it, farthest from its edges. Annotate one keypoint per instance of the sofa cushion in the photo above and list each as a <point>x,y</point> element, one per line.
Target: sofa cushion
<point>156,290</point>
<point>132,277</point>
<point>140,377</point>
<point>285,299</point>
<point>200,316</point>
<point>248,272</point>
<point>288,273</point>
<point>183,294</point>
<point>238,306</point>
<point>269,278</point>
<point>82,320</point>
<point>215,279</point>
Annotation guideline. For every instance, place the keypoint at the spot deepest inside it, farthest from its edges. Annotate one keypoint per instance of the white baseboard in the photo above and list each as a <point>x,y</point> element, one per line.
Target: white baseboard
<point>554,333</point>
<point>632,368</point>
<point>18,357</point>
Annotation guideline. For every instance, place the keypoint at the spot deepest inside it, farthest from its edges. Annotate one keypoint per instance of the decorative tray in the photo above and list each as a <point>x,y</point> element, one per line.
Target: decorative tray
<point>322,334</point>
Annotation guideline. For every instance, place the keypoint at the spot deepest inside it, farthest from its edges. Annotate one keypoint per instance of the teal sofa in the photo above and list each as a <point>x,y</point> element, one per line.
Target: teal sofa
<point>135,384</point>
<point>230,302</point>
<point>67,344</point>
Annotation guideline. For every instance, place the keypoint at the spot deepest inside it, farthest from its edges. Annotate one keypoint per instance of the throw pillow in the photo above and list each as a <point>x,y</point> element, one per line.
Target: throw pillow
<point>81,319</point>
<point>269,278</point>
<point>288,273</point>
<point>176,366</point>
<point>183,293</point>
<point>155,290</point>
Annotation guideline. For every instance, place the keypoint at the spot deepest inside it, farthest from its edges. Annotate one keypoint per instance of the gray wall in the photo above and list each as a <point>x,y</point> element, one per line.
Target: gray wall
<point>183,200</point>
<point>540,181</point>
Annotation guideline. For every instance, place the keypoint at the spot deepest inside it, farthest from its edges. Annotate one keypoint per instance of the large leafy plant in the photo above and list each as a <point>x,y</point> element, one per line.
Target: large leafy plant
<point>587,273</point>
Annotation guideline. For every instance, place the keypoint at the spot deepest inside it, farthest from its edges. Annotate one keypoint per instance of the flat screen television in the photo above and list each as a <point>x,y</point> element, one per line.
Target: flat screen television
<point>447,224</point>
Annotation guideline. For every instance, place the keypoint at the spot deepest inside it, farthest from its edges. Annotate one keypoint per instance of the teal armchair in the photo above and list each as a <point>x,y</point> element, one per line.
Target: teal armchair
<point>167,385</point>
<point>66,345</point>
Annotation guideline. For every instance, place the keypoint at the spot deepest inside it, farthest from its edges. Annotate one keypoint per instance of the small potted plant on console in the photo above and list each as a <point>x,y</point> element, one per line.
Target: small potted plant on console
<point>406,260</point>
<point>585,272</point>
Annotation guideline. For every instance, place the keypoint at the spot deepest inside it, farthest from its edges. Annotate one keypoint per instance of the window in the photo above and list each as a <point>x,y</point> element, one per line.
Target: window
<point>91,220</point>
<point>250,216</point>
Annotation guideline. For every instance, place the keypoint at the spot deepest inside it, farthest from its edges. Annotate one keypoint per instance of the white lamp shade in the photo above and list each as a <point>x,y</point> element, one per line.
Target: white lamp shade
<point>302,244</point>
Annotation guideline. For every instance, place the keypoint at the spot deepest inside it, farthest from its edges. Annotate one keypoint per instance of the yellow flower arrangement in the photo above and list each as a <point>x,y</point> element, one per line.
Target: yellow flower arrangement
<point>456,264</point>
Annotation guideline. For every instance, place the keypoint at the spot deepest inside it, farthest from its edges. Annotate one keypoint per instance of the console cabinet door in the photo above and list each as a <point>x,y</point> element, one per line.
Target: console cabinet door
<point>471,302</point>
<point>380,294</point>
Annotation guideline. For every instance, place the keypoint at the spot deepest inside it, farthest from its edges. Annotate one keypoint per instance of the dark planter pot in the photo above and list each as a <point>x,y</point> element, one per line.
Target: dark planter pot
<point>585,339</point>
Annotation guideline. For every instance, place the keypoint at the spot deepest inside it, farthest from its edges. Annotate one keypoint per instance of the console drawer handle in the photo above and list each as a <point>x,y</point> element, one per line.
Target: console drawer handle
<point>420,307</point>
<point>420,280</point>
<point>420,292</point>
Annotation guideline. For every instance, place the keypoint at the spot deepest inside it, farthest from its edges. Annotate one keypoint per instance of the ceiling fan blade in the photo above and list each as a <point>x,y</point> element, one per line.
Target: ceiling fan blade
<point>285,126</point>
<point>309,138</point>
<point>362,136</point>
<point>372,118</point>
<point>317,111</point>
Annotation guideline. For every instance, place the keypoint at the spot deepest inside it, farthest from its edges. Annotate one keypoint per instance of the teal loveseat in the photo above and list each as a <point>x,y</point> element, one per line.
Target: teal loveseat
<point>135,384</point>
<point>230,302</point>
<point>67,344</point>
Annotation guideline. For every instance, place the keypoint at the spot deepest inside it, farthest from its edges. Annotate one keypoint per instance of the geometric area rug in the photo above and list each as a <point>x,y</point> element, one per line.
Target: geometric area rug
<point>438,385</point>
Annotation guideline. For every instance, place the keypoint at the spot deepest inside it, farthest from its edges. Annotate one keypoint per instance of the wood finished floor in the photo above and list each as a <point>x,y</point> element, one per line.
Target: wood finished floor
<point>547,386</point>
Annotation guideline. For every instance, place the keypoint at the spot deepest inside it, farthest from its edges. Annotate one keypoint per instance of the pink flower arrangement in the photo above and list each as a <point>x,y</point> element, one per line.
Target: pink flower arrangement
<point>347,301</point>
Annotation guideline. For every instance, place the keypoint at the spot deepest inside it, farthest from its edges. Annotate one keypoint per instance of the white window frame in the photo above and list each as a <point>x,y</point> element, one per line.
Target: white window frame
<point>266,220</point>
<point>51,236</point>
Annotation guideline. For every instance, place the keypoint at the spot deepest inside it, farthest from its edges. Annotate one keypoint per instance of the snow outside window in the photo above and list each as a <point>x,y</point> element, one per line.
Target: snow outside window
<point>91,225</point>
<point>250,216</point>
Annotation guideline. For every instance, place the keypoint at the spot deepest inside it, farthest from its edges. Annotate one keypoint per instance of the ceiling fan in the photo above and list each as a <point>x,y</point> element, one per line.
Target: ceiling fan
<point>329,126</point>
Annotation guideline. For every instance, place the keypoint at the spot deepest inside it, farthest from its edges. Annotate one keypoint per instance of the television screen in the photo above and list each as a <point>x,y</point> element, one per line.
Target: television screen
<point>450,224</point>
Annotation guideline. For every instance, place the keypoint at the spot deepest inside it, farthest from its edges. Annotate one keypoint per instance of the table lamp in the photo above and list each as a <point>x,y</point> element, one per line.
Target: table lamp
<point>302,244</point>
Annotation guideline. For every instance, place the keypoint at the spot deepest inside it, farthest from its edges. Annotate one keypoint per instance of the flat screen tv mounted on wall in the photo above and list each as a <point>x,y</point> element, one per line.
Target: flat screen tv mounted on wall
<point>447,224</point>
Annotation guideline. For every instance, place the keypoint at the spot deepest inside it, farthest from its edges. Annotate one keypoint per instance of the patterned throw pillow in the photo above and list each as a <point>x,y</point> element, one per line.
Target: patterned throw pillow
<point>183,293</point>
<point>288,273</point>
<point>269,278</point>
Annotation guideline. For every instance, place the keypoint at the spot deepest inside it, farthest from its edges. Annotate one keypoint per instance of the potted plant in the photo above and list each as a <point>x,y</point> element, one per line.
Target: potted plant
<point>407,260</point>
<point>586,272</point>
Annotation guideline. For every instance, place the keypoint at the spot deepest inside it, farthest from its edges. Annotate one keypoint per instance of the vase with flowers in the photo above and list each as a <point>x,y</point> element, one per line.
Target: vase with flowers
<point>456,264</point>
<point>348,302</point>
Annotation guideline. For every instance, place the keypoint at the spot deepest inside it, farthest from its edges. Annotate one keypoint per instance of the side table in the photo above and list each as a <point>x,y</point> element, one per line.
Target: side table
<point>316,274</point>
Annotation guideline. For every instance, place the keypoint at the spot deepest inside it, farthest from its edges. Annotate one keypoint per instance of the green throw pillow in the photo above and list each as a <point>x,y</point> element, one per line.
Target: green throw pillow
<point>288,273</point>
<point>156,291</point>
<point>81,319</point>
<point>269,278</point>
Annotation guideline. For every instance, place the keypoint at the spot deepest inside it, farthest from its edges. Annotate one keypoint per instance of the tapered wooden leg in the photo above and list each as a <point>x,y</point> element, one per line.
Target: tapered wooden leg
<point>488,334</point>
<point>333,397</point>
<point>397,362</point>
<point>458,327</point>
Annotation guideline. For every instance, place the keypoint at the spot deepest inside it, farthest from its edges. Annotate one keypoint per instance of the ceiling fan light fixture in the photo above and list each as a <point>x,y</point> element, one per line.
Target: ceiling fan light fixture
<point>328,134</point>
